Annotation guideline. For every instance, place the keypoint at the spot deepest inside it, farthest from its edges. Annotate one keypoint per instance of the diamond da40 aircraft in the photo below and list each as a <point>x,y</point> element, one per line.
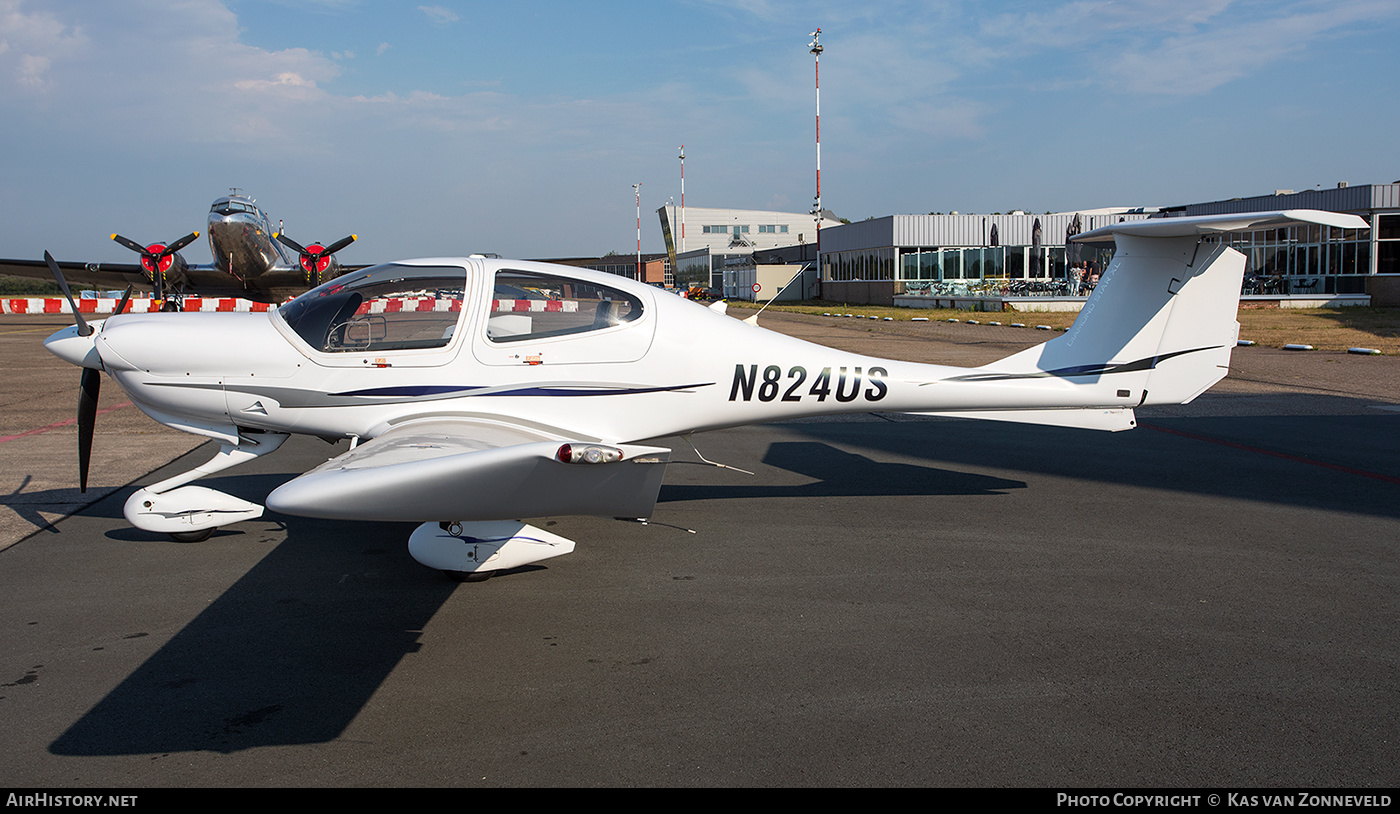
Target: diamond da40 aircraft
<point>477,391</point>
<point>252,259</point>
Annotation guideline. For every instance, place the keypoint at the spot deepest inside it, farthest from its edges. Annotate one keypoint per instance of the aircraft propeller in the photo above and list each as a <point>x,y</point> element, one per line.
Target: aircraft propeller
<point>315,259</point>
<point>157,258</point>
<point>90,385</point>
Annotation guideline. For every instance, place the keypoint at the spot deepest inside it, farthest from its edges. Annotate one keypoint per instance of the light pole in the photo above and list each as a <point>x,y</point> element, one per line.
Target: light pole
<point>816,47</point>
<point>682,199</point>
<point>637,187</point>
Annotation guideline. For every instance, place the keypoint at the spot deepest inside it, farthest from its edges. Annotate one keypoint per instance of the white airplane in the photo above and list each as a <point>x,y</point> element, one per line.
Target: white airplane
<point>476,391</point>
<point>252,260</point>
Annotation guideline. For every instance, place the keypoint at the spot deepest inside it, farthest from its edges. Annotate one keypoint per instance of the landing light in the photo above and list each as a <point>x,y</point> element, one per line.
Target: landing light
<point>571,454</point>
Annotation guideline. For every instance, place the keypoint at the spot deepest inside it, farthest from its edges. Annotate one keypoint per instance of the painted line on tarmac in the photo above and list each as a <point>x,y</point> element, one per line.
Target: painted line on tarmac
<point>58,425</point>
<point>1284,455</point>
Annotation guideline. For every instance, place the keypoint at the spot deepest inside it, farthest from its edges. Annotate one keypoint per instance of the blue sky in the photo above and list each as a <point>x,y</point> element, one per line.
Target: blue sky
<point>456,127</point>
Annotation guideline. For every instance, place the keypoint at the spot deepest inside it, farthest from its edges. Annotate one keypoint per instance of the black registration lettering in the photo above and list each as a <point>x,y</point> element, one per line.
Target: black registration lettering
<point>841,394</point>
<point>768,384</point>
<point>743,383</point>
<point>821,388</point>
<point>878,388</point>
<point>769,389</point>
<point>798,376</point>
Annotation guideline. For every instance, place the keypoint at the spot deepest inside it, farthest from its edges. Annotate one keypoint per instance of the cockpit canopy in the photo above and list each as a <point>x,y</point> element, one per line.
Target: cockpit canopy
<point>383,308</point>
<point>397,306</point>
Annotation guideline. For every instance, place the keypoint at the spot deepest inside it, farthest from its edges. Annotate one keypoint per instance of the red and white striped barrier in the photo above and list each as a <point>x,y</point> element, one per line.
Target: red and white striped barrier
<point>421,305</point>
<point>523,306</point>
<point>104,305</point>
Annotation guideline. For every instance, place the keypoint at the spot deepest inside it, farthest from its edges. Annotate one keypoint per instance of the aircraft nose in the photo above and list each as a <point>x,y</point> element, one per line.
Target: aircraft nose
<point>200,345</point>
<point>141,342</point>
<point>74,348</point>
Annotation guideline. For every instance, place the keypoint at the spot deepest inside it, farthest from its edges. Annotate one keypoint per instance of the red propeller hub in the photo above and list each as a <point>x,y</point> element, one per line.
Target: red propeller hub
<point>153,251</point>
<point>313,260</point>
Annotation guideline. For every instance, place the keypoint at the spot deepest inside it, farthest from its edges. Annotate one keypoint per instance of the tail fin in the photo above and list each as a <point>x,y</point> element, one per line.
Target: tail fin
<point>1162,318</point>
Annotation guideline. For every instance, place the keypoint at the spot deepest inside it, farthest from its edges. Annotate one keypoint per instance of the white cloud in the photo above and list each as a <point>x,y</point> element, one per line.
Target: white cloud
<point>1175,47</point>
<point>30,43</point>
<point>1200,61</point>
<point>439,15</point>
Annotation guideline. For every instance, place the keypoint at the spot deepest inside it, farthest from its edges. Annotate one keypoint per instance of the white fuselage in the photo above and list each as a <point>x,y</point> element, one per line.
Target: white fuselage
<point>680,367</point>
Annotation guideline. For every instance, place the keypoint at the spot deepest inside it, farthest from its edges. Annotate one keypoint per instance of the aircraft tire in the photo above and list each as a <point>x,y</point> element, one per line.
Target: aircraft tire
<point>469,576</point>
<point>191,536</point>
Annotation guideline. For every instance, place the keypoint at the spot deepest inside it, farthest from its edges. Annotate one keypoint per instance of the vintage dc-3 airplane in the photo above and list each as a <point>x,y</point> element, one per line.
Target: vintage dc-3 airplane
<point>476,391</point>
<point>252,260</point>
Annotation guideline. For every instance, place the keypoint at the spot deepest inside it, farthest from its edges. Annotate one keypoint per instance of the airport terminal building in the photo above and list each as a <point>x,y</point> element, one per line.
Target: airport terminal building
<point>960,255</point>
<point>875,260</point>
<point>1019,253</point>
<point>701,243</point>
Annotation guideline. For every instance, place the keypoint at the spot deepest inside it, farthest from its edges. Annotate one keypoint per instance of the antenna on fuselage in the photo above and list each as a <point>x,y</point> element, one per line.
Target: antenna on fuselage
<point>753,320</point>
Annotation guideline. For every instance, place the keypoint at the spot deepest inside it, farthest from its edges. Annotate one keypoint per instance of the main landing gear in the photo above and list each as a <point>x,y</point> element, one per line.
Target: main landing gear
<point>190,514</point>
<point>472,552</point>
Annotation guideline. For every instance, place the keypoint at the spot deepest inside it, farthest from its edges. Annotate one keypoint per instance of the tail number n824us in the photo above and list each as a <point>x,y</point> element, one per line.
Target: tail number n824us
<point>770,384</point>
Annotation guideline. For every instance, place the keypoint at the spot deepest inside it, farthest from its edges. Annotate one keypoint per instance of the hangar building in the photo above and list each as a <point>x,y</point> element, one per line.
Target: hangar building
<point>874,260</point>
<point>701,243</point>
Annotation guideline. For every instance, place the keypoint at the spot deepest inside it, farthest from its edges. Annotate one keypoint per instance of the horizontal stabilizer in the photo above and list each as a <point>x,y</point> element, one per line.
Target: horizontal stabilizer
<point>1199,225</point>
<point>1112,420</point>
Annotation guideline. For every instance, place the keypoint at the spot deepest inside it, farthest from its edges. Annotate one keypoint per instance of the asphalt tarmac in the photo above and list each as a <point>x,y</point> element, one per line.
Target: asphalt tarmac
<point>1209,600</point>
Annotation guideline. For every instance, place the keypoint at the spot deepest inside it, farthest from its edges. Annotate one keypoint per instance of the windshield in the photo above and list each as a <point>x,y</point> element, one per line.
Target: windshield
<point>384,308</point>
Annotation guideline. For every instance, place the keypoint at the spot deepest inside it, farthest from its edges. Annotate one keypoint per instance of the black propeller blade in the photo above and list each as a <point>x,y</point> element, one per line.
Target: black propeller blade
<point>83,328</point>
<point>151,260</point>
<point>145,252</point>
<point>320,251</point>
<point>315,258</point>
<point>292,244</point>
<point>90,385</point>
<point>121,306</point>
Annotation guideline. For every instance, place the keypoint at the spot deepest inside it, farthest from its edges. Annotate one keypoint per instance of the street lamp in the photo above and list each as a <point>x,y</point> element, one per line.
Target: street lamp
<point>682,199</point>
<point>637,187</point>
<point>817,49</point>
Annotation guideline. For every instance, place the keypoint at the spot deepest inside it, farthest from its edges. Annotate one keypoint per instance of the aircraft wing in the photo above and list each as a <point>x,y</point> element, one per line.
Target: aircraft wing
<point>276,285</point>
<point>97,275</point>
<point>463,469</point>
<point>204,281</point>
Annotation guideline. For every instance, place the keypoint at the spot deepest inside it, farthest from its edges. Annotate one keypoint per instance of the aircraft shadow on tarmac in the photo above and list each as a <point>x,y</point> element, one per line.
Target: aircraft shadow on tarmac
<point>273,661</point>
<point>836,473</point>
<point>1343,462</point>
<point>26,505</point>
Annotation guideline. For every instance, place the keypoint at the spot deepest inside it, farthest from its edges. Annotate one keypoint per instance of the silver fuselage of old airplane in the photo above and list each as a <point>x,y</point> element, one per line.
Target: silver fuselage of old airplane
<point>243,240</point>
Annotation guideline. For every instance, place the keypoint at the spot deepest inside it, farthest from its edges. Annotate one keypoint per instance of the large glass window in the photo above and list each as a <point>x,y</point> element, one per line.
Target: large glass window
<point>536,306</point>
<point>384,308</point>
